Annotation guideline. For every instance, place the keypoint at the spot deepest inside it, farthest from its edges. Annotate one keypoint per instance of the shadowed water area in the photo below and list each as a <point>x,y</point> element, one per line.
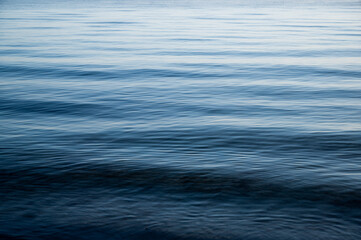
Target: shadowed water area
<point>180,120</point>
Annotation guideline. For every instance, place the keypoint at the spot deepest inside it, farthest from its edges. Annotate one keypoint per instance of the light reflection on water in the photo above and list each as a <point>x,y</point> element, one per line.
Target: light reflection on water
<point>137,120</point>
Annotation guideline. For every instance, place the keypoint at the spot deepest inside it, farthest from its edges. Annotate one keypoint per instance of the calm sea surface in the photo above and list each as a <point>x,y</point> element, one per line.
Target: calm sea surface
<point>186,120</point>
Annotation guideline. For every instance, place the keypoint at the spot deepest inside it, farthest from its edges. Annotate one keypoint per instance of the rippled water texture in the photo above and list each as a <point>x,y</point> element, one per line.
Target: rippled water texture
<point>180,120</point>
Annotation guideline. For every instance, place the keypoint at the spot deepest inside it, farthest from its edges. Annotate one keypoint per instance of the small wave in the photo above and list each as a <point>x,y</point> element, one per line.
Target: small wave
<point>47,107</point>
<point>283,71</point>
<point>201,182</point>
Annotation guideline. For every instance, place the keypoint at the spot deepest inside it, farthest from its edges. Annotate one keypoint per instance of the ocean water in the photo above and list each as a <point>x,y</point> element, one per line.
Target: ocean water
<point>180,120</point>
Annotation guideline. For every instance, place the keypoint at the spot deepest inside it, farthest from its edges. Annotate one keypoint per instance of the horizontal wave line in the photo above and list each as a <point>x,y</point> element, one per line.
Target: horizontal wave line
<point>143,73</point>
<point>156,178</point>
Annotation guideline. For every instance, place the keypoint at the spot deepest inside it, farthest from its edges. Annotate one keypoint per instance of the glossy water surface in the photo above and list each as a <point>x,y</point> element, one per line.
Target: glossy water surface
<point>136,120</point>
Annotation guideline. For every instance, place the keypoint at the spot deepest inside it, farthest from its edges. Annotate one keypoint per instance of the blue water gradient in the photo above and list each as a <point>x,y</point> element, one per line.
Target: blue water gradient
<point>180,120</point>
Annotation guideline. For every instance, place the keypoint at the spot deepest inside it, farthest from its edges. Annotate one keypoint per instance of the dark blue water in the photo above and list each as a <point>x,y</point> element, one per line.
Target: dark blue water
<point>180,120</point>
